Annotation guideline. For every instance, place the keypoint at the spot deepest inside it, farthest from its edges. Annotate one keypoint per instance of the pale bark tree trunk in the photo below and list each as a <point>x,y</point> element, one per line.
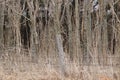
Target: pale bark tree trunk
<point>77,32</point>
<point>61,54</point>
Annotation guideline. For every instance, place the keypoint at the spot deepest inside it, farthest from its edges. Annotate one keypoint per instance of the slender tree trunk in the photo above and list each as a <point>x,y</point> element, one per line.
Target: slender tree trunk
<point>15,20</point>
<point>77,31</point>
<point>104,37</point>
<point>33,31</point>
<point>2,7</point>
<point>87,34</point>
<point>70,32</point>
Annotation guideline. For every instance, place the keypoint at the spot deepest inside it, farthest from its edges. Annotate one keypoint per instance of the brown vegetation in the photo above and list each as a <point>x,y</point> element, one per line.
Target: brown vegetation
<point>59,39</point>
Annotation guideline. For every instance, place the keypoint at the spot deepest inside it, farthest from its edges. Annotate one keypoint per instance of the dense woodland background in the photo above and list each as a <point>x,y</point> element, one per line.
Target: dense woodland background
<point>60,30</point>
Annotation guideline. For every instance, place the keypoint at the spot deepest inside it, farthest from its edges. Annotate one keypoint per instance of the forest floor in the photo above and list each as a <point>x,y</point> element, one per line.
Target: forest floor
<point>21,70</point>
<point>21,67</point>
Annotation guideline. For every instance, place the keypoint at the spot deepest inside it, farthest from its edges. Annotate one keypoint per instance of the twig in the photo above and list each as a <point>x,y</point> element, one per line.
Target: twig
<point>116,2</point>
<point>113,12</point>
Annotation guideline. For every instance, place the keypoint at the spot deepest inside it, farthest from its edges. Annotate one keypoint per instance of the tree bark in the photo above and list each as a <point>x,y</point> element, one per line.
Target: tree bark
<point>59,45</point>
<point>1,23</point>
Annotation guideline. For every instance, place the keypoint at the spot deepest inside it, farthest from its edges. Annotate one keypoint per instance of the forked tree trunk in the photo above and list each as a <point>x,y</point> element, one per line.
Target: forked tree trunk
<point>33,31</point>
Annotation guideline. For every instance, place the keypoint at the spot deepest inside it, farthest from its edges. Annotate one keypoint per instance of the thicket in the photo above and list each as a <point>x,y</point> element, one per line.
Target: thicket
<point>61,28</point>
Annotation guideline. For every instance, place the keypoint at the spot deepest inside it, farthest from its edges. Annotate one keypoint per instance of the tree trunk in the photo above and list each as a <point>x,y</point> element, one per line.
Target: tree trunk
<point>59,45</point>
<point>1,23</point>
<point>77,32</point>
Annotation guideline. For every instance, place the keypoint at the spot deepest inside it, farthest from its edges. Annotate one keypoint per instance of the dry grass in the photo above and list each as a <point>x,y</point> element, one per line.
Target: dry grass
<point>21,67</point>
<point>36,72</point>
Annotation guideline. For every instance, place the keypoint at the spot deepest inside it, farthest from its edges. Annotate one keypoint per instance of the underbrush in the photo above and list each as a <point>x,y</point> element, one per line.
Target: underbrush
<point>21,67</point>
